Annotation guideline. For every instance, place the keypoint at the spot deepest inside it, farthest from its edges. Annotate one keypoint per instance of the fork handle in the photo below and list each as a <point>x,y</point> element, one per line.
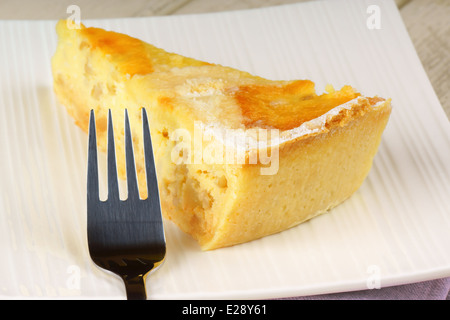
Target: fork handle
<point>135,287</point>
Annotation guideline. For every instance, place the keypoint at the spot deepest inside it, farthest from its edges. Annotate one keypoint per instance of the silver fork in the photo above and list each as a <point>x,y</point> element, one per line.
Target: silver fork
<point>125,237</point>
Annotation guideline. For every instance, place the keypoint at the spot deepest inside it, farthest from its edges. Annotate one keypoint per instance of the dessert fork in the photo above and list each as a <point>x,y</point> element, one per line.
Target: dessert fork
<point>125,237</point>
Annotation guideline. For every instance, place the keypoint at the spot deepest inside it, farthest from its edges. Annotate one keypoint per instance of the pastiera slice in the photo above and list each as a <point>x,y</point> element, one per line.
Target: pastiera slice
<point>238,157</point>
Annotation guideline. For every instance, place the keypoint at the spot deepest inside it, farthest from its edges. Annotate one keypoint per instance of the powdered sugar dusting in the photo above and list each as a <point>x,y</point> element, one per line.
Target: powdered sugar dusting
<point>255,138</point>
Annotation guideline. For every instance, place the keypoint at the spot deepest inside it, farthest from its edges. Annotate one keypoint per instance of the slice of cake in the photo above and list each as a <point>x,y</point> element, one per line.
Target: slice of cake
<point>238,157</point>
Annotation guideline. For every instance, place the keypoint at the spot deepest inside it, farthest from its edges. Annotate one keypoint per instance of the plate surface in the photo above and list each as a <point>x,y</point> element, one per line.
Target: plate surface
<point>394,230</point>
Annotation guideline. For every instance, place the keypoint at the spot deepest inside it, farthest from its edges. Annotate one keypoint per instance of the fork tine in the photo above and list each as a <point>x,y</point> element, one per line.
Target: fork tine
<point>92,166</point>
<point>113,184</point>
<point>152,184</point>
<point>124,237</point>
<point>133,192</point>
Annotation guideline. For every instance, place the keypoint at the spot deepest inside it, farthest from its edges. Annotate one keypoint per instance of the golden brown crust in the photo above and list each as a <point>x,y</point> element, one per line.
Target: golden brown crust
<point>287,106</point>
<point>282,105</point>
<point>128,52</point>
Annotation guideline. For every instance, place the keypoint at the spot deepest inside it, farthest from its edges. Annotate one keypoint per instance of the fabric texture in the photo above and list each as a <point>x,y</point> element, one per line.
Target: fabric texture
<point>438,289</point>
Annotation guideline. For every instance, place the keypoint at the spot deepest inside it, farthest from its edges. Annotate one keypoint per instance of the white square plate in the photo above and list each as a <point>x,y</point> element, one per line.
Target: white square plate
<point>395,229</point>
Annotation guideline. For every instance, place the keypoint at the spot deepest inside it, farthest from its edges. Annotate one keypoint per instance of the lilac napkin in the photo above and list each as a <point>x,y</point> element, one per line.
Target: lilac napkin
<point>438,289</point>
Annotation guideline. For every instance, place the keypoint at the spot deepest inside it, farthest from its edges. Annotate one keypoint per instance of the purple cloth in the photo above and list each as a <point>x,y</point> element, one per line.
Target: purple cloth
<point>438,289</point>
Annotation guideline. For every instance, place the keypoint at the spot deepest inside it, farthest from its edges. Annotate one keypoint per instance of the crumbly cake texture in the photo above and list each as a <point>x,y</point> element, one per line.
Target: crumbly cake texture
<point>325,143</point>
